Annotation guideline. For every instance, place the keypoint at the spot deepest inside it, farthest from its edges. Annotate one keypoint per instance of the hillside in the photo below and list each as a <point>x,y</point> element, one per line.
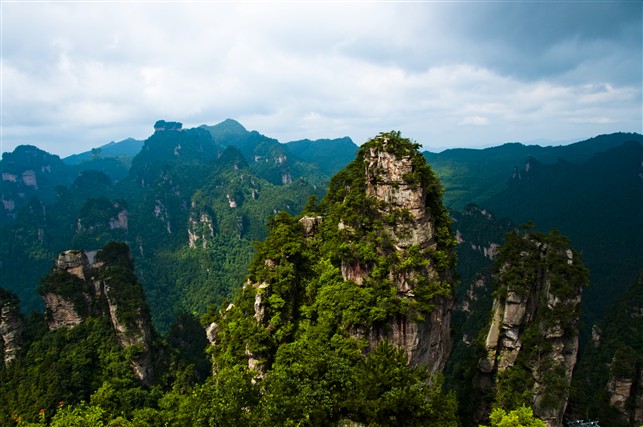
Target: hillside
<point>124,151</point>
<point>474,176</point>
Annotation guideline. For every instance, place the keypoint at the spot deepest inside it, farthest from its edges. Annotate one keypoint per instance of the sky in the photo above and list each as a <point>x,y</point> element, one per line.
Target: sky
<point>77,75</point>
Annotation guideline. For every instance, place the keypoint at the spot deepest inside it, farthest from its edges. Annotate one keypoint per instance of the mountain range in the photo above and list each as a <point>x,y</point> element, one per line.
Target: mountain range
<point>192,203</point>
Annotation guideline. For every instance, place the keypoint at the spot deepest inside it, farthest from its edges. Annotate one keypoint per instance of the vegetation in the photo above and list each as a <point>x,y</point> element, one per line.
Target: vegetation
<point>521,417</point>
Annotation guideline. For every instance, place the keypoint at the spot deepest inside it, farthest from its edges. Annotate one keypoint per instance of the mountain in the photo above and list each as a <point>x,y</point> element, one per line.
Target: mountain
<point>179,177</point>
<point>532,341</point>
<point>268,158</point>
<point>331,154</point>
<point>590,191</point>
<point>29,172</point>
<point>94,343</point>
<point>332,293</point>
<point>474,176</point>
<point>125,150</point>
<point>598,204</point>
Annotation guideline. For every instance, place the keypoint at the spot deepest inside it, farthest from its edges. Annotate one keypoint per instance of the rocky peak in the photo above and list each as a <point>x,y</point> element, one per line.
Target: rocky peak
<point>382,243</point>
<point>381,232</point>
<point>162,125</point>
<point>399,182</point>
<point>73,262</point>
<point>83,285</point>
<point>534,329</point>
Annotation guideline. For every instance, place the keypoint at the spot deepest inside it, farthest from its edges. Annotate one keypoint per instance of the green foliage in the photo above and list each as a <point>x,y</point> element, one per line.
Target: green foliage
<point>65,366</point>
<point>523,416</point>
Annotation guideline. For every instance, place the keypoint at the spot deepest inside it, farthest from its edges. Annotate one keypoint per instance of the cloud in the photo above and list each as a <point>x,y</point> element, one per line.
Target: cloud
<point>474,120</point>
<point>77,75</point>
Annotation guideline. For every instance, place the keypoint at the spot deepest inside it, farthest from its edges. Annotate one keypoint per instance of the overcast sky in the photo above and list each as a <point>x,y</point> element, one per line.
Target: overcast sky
<point>77,75</point>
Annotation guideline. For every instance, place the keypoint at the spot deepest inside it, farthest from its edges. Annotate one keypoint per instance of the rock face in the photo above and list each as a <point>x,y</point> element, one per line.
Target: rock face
<point>11,327</point>
<point>77,289</point>
<point>534,330</point>
<point>200,228</point>
<point>392,181</point>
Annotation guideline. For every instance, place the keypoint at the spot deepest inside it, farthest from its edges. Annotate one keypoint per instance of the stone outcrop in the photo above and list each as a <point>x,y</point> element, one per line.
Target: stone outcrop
<point>11,327</point>
<point>392,180</point>
<point>626,396</point>
<point>310,224</point>
<point>200,228</point>
<point>537,316</point>
<point>81,286</point>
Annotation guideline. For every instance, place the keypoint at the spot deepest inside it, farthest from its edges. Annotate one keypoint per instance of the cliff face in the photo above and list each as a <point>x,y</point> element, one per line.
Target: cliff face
<point>392,181</point>
<point>11,327</point>
<point>101,284</point>
<point>532,342</point>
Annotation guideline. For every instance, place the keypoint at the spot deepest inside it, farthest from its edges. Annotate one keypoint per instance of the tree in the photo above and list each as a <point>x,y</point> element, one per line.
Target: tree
<point>521,417</point>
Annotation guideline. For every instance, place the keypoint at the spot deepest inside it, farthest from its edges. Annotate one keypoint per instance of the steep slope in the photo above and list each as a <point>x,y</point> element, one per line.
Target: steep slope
<point>597,204</point>
<point>124,150</point>
<point>266,157</point>
<point>532,342</point>
<point>11,327</point>
<point>479,235</point>
<point>29,172</point>
<point>368,270</point>
<point>608,383</point>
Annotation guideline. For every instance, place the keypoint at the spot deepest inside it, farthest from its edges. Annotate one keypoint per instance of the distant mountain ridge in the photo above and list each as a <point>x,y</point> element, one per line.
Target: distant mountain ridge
<point>474,175</point>
<point>129,147</point>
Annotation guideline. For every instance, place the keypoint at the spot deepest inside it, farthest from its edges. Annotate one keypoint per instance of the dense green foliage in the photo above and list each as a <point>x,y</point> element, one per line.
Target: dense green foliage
<point>521,417</point>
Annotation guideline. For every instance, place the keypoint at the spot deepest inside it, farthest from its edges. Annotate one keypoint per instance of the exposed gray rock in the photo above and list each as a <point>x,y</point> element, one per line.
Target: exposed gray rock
<point>513,313</point>
<point>11,329</point>
<point>310,224</point>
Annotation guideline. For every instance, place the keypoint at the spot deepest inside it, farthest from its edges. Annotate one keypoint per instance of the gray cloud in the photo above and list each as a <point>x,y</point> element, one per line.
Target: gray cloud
<point>77,75</point>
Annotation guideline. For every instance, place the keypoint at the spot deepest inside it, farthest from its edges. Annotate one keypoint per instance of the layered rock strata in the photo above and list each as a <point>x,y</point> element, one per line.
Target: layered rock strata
<point>534,328</point>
